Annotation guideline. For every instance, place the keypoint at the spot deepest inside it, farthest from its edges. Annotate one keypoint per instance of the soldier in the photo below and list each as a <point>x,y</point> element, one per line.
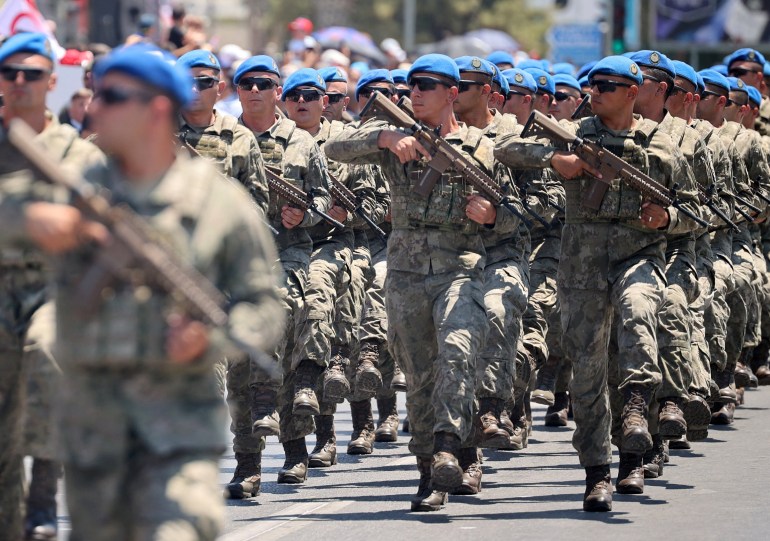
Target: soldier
<point>399,81</point>
<point>521,93</point>
<point>294,153</point>
<point>162,361</point>
<point>502,59</point>
<point>337,94</point>
<point>436,320</point>
<point>748,65</point>
<point>612,260</point>
<point>566,98</point>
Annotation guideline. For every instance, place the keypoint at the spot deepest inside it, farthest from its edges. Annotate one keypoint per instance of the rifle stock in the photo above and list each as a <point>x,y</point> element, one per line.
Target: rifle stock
<point>296,196</point>
<point>345,197</point>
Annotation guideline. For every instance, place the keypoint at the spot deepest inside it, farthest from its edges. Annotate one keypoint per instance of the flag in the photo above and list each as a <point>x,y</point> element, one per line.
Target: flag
<point>24,16</point>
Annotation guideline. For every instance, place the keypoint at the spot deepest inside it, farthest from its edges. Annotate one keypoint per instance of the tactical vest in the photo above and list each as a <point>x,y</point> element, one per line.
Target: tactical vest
<point>329,130</point>
<point>215,147</point>
<point>273,149</point>
<point>444,209</point>
<point>621,202</point>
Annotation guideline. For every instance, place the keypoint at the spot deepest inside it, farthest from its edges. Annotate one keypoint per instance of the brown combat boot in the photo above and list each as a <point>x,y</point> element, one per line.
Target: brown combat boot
<point>264,417</point>
<point>387,425</point>
<point>630,474</point>
<point>520,437</point>
<point>556,415</point>
<point>545,385</point>
<point>492,435</point>
<point>426,498</point>
<point>671,422</point>
<point>722,414</point>
<point>336,386</point>
<point>636,438</point>
<point>324,454</point>
<point>368,377</point>
<point>470,462</point>
<point>725,380</point>
<point>306,379</point>
<point>398,383</point>
<point>362,438</point>
<point>446,475</point>
<point>294,470</point>
<point>697,415</point>
<point>654,458</point>
<point>41,522</point>
<point>247,477</point>
<point>598,494</point>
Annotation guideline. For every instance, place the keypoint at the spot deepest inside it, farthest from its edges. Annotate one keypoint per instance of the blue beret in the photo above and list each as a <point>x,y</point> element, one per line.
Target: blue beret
<point>476,65</point>
<point>686,71</point>
<point>437,64</point>
<point>374,76</point>
<point>736,85</point>
<point>619,66</point>
<point>199,59</point>
<point>543,79</point>
<point>754,95</point>
<point>360,67</point>
<point>27,42</point>
<point>399,76</point>
<point>500,57</point>
<point>585,68</point>
<point>746,55</point>
<point>563,67</point>
<point>500,79</point>
<point>583,82</point>
<point>151,66</point>
<point>333,74</point>
<point>565,79</point>
<point>714,78</point>
<point>766,69</point>
<point>256,63</point>
<point>654,59</point>
<point>303,77</point>
<point>701,86</point>
<point>521,79</point>
<point>530,63</point>
<point>720,68</point>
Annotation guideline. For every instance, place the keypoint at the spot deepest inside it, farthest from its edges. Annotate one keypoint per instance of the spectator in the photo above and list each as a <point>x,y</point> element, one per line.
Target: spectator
<point>76,110</point>
<point>177,31</point>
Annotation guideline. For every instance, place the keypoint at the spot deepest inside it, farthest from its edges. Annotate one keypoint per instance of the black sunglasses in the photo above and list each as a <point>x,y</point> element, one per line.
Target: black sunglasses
<point>740,72</point>
<point>650,78</point>
<point>466,85</point>
<point>608,86</point>
<point>366,93</point>
<point>115,96</point>
<point>262,83</point>
<point>512,93</point>
<point>335,97</point>
<point>11,72</point>
<point>677,89</point>
<point>306,95</point>
<point>562,96</point>
<point>204,82</point>
<point>731,102</point>
<point>426,84</point>
<point>403,92</point>
<point>706,93</point>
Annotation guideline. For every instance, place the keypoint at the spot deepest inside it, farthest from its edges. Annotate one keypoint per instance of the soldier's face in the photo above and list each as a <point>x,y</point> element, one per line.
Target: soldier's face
<point>31,79</point>
<point>748,72</point>
<point>256,101</point>
<point>338,100</point>
<point>519,105</point>
<point>614,98</point>
<point>430,98</point>
<point>205,89</point>
<point>473,93</point>
<point>366,93</point>
<point>308,108</point>
<point>564,102</point>
<point>680,99</point>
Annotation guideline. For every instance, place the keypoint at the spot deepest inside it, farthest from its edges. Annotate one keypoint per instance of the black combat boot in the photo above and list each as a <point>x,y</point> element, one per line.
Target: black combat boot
<point>40,524</point>
<point>545,385</point>
<point>446,475</point>
<point>493,436</point>
<point>362,438</point>
<point>697,415</point>
<point>263,415</point>
<point>405,425</point>
<point>556,415</point>
<point>630,474</point>
<point>598,494</point>
<point>247,477</point>
<point>368,376</point>
<point>671,422</point>
<point>306,379</point>
<point>426,498</point>
<point>336,386</point>
<point>636,437</point>
<point>324,455</point>
<point>470,462</point>
<point>294,469</point>
<point>398,383</point>
<point>655,458</point>
<point>387,425</point>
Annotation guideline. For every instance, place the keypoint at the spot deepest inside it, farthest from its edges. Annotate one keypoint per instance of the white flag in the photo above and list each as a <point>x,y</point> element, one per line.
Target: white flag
<point>24,16</point>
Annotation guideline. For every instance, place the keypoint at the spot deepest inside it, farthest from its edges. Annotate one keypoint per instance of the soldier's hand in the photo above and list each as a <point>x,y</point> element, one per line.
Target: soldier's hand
<point>186,339</point>
<point>338,213</point>
<point>60,228</point>
<point>570,166</point>
<point>654,216</point>
<point>406,147</point>
<point>291,217</point>
<point>480,210</point>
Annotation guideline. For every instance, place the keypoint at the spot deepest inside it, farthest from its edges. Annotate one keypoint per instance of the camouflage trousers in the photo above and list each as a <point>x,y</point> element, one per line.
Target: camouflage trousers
<point>505,297</point>
<point>540,305</point>
<point>700,360</point>
<point>437,323</point>
<point>350,304</point>
<point>741,301</point>
<point>718,311</point>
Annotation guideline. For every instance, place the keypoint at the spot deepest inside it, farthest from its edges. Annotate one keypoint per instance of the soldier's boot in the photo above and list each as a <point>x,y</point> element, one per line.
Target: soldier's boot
<point>598,494</point>
<point>470,462</point>
<point>671,422</point>
<point>697,415</point>
<point>306,379</point>
<point>336,386</point>
<point>741,394</point>
<point>264,417</point>
<point>680,443</point>
<point>763,375</point>
<point>520,437</point>
<point>556,415</point>
<point>722,413</point>
<point>387,425</point>
<point>744,377</point>
<point>40,524</point>
<point>528,411</point>
<point>654,458</point>
<point>362,438</point>
<point>446,474</point>
<point>427,499</point>
<point>492,435</point>
<point>636,438</point>
<point>247,477</point>
<point>324,454</point>
<point>294,470</point>
<point>725,380</point>
<point>398,383</point>
<point>405,425</point>
<point>630,474</point>
<point>545,386</point>
<point>368,377</point>
<point>759,361</point>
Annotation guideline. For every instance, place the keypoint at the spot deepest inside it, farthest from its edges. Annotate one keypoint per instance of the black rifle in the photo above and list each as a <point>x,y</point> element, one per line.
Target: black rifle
<point>583,109</point>
<point>741,201</point>
<point>297,197</point>
<point>706,197</point>
<point>345,197</point>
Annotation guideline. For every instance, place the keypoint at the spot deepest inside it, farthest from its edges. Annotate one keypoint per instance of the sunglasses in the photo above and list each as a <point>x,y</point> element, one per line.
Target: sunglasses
<point>731,102</point>
<point>204,82</point>
<point>427,84</point>
<point>10,73</point>
<point>706,93</point>
<point>262,83</point>
<point>403,92</point>
<point>116,96</point>
<point>335,97</point>
<point>367,92</point>
<point>740,72</point>
<point>465,86</point>
<point>512,93</point>
<point>608,86</point>
<point>306,95</point>
<point>562,96</point>
<point>677,89</point>
<point>650,78</point>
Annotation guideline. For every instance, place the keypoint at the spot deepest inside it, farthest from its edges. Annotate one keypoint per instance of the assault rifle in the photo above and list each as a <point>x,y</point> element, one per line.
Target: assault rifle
<point>741,201</point>
<point>345,197</point>
<point>706,197</point>
<point>610,167</point>
<point>296,196</point>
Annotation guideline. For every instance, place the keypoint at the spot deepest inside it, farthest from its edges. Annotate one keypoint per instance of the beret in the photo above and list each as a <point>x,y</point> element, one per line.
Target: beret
<point>360,67</point>
<point>563,67</point>
<point>619,66</point>
<point>736,85</point>
<point>654,59</point>
<point>701,86</point>
<point>565,79</point>
<point>399,76</point>
<point>475,64</point>
<point>303,77</point>
<point>374,76</point>
<point>746,55</point>
<point>333,74</point>
<point>720,68</point>
<point>543,79</point>
<point>585,68</point>
<point>151,66</point>
<point>437,64</point>
<point>501,57</point>
<point>685,71</point>
<point>27,42</point>
<point>583,82</point>
<point>256,63</point>
<point>766,69</point>
<point>754,95</point>
<point>714,78</point>
<point>500,79</point>
<point>199,59</point>
<point>531,63</point>
<point>519,78</point>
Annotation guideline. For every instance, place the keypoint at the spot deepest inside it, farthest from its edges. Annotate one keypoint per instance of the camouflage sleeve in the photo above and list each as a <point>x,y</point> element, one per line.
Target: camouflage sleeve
<point>316,183</point>
<point>362,184</point>
<point>506,221</point>
<point>520,153</point>
<point>249,169</point>
<point>669,166</point>
<point>358,145</point>
<point>12,230</point>
<point>705,176</point>
<point>723,178</point>
<point>381,202</point>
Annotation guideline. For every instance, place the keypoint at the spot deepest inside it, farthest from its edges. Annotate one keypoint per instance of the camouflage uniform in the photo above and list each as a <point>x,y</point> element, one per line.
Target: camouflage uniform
<point>132,473</point>
<point>435,306</point>
<point>614,265</point>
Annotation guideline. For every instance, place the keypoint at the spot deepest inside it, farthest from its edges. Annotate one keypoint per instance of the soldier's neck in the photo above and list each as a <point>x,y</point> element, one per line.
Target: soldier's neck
<point>446,120</point>
<point>478,118</point>
<point>257,122</point>
<point>37,120</point>
<point>146,163</point>
<point>652,112</point>
<point>199,119</point>
<point>620,121</point>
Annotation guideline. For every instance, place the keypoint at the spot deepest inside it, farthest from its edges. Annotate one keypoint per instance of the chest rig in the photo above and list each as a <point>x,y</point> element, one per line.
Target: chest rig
<point>273,148</point>
<point>216,147</point>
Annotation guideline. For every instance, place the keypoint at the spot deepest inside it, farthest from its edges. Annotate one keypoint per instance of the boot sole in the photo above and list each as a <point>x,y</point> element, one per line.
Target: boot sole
<point>265,431</point>
<point>697,434</point>
<point>402,388</point>
<point>697,415</point>
<point>360,450</point>
<point>629,489</point>
<point>636,444</point>
<point>598,507</point>
<point>541,399</point>
<point>305,409</point>
<point>679,445</point>
<point>367,382</point>
<point>446,479</point>
<point>336,391</point>
<point>742,379</point>
<point>495,442</point>
<point>764,381</point>
<point>290,479</point>
<point>671,430</point>
<point>391,436</point>
<point>318,462</point>
<point>555,421</point>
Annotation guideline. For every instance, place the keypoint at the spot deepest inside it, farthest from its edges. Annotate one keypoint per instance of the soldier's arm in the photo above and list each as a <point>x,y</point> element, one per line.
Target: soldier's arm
<point>381,202</point>
<point>316,182</point>
<point>669,166</point>
<point>362,184</point>
<point>358,145</point>
<point>250,170</point>
<point>519,153</point>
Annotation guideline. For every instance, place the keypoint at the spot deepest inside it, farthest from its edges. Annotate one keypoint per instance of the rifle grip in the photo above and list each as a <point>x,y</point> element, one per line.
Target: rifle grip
<point>595,194</point>
<point>427,181</point>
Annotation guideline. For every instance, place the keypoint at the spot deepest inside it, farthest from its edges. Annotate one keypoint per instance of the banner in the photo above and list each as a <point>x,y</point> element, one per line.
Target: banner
<point>24,16</point>
<point>712,22</point>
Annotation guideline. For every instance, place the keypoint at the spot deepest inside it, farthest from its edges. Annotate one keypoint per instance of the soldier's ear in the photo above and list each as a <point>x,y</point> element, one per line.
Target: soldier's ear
<point>452,95</point>
<point>633,92</point>
<point>52,82</point>
<point>278,92</point>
